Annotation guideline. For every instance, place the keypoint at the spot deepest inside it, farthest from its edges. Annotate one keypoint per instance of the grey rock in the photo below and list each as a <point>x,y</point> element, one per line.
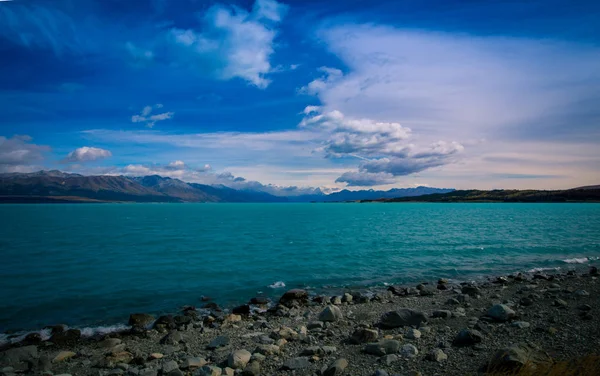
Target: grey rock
<point>560,303</point>
<point>471,290</point>
<point>385,347</point>
<point>515,357</point>
<point>67,338</point>
<point>194,362</point>
<point>239,359</point>
<point>169,366</point>
<point>296,363</point>
<point>409,351</point>
<point>452,301</point>
<point>468,337</point>
<point>267,349</point>
<point>14,356</point>
<point>381,372</point>
<point>220,341</point>
<point>295,296</point>
<point>501,313</point>
<point>581,293</point>
<point>436,355</point>
<point>521,324</point>
<point>109,343</point>
<point>336,300</point>
<point>331,313</point>
<point>140,320</point>
<point>347,298</point>
<point>403,317</point>
<point>315,325</point>
<point>463,298</point>
<point>364,335</point>
<point>388,360</point>
<point>412,333</point>
<point>173,338</point>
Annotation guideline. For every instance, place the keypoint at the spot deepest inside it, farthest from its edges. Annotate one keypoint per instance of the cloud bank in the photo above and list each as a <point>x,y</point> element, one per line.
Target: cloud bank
<point>87,154</point>
<point>19,154</point>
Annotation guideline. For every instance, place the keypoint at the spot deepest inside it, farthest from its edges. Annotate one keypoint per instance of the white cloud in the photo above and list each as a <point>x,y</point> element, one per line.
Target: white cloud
<point>19,154</point>
<point>150,120</point>
<point>233,42</point>
<point>87,154</point>
<point>330,76</point>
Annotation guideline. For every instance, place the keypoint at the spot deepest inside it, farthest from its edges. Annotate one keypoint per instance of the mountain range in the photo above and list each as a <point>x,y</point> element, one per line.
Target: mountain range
<point>58,186</point>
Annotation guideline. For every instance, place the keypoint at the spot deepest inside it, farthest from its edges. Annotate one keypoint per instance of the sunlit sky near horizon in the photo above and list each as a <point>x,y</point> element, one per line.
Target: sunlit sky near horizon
<point>337,94</point>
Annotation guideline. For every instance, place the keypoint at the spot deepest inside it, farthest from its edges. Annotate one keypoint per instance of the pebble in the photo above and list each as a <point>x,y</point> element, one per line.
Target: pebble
<point>409,350</point>
<point>436,355</point>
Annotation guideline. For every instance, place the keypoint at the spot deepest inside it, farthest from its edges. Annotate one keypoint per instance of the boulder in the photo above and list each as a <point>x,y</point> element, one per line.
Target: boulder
<point>388,346</point>
<point>252,369</point>
<point>172,338</point>
<point>331,313</point>
<point>443,313</point>
<point>140,320</point>
<point>347,298</point>
<point>364,335</point>
<point>298,296</point>
<point>402,317</point>
<point>470,290</point>
<point>260,300</point>
<point>501,313</point>
<point>241,310</point>
<point>239,359</point>
<point>468,337</point>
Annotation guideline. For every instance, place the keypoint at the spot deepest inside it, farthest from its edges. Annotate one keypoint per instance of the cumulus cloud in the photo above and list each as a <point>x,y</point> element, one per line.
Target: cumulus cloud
<point>146,116</point>
<point>19,154</point>
<point>347,136</point>
<point>233,42</point>
<point>87,154</point>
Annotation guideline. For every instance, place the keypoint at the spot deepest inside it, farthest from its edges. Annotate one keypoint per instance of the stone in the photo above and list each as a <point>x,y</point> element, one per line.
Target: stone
<point>285,333</point>
<point>521,324</point>
<point>444,314</point>
<point>315,325</point>
<point>155,356</point>
<point>260,300</point>
<point>427,291</point>
<point>526,301</point>
<point>336,300</point>
<point>220,341</point>
<point>412,333</point>
<point>258,357</point>
<point>331,313</point>
<point>169,366</point>
<point>194,362</point>
<point>560,303</point>
<point>267,349</point>
<point>381,372</point>
<point>581,293</point>
<point>409,351</point>
<point>468,337</point>
<point>436,355</point>
<point>385,347</point>
<point>252,369</point>
<point>62,356</point>
<point>67,338</point>
<point>298,296</point>
<point>402,317</point>
<point>347,298</point>
<point>514,357</point>
<point>173,338</point>
<point>208,371</point>
<point>232,318</point>
<point>501,313</point>
<point>593,270</point>
<point>32,339</point>
<point>470,290</point>
<point>364,335</point>
<point>140,320</point>
<point>452,301</point>
<point>228,371</point>
<point>120,357</point>
<point>239,359</point>
<point>296,364</point>
<point>109,343</point>
<point>336,368</point>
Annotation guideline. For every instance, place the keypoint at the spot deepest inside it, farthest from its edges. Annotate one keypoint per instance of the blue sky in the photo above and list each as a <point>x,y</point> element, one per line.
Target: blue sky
<point>266,94</point>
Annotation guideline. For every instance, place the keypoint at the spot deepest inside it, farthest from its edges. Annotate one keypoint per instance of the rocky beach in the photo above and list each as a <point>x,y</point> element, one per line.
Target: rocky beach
<point>436,328</point>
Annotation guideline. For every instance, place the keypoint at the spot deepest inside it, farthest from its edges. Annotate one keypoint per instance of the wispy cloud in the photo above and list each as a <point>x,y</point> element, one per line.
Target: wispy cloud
<point>146,116</point>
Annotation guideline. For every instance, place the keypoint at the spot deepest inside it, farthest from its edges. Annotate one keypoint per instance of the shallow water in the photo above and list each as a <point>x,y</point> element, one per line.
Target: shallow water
<point>92,265</point>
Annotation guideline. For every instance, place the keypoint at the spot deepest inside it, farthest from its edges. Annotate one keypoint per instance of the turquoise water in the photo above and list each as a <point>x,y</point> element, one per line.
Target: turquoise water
<point>91,265</point>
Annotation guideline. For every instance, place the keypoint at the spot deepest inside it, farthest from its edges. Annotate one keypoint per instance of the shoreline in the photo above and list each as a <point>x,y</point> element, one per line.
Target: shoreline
<point>195,329</point>
<point>11,337</point>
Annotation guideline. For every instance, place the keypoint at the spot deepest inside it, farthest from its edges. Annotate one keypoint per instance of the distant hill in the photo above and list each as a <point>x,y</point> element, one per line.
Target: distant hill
<point>346,195</point>
<point>569,195</point>
<point>57,186</point>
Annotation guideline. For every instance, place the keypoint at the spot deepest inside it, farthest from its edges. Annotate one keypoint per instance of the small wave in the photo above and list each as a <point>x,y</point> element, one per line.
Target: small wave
<point>103,330</point>
<point>46,333</point>
<point>277,285</point>
<point>537,270</point>
<point>582,260</point>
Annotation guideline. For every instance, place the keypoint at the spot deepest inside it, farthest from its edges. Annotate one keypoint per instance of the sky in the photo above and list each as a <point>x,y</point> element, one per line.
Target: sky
<point>293,96</point>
